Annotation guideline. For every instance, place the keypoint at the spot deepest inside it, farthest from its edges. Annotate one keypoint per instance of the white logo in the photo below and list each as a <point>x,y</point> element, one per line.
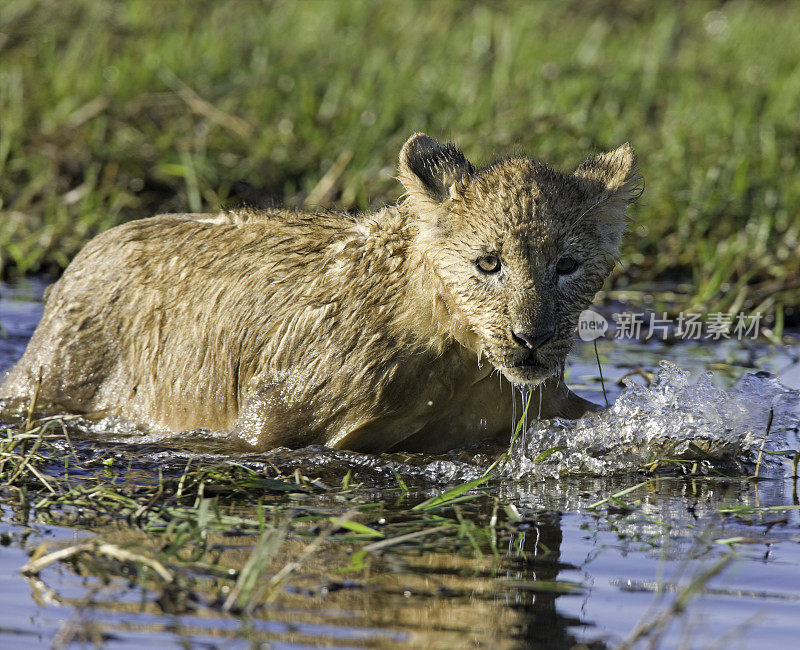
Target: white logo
<point>591,325</point>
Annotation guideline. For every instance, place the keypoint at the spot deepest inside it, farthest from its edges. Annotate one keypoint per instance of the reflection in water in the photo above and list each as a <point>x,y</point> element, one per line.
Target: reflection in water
<point>551,584</point>
<point>428,599</point>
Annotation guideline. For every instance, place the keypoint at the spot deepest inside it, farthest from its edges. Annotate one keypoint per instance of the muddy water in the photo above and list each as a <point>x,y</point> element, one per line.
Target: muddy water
<point>560,571</point>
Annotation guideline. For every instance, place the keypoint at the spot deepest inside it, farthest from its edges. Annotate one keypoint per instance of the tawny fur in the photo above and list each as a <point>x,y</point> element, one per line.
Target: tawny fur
<point>368,332</point>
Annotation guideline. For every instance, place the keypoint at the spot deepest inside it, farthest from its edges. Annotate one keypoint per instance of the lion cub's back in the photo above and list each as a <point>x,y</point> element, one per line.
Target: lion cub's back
<point>149,317</point>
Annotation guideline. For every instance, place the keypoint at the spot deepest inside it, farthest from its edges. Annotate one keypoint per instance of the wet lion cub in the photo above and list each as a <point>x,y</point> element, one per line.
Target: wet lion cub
<point>371,332</point>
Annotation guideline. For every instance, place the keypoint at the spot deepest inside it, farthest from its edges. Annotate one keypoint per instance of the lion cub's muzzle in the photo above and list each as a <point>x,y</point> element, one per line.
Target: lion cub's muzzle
<point>535,340</point>
<point>528,364</point>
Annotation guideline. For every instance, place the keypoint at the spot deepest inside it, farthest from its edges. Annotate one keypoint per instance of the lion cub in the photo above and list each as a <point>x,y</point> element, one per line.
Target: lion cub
<point>373,332</point>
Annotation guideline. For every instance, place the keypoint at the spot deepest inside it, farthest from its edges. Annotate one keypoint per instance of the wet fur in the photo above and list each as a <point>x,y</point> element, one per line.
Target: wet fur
<point>362,332</point>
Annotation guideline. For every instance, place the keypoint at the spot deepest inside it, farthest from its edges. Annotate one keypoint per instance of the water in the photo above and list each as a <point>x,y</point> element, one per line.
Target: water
<point>671,418</point>
<point>566,570</point>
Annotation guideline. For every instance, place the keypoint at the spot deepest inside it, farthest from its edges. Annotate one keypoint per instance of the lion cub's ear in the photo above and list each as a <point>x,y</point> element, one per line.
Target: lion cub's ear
<point>611,182</point>
<point>612,173</point>
<point>429,170</point>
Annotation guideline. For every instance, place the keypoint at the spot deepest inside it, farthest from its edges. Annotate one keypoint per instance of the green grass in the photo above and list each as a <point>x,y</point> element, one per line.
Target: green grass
<point>111,111</point>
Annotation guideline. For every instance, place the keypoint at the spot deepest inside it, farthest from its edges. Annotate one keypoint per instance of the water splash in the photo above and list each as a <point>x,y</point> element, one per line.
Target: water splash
<point>524,392</point>
<point>671,419</point>
<point>700,424</point>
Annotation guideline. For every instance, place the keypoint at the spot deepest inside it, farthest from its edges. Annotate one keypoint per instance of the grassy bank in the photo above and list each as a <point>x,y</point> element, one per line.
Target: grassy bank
<point>111,111</point>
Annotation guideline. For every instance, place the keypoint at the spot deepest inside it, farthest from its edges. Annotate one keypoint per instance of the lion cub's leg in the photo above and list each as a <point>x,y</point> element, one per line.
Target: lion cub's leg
<point>268,420</point>
<point>571,406</point>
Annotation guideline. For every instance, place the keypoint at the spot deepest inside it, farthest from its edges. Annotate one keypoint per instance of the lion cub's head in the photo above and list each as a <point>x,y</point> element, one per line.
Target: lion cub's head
<point>516,250</point>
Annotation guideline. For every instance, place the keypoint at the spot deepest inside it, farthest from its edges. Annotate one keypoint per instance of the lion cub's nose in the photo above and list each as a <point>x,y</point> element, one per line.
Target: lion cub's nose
<point>533,341</point>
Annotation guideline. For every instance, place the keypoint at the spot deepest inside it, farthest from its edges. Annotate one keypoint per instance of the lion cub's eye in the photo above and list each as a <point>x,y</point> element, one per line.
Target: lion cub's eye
<point>488,264</point>
<point>566,265</point>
